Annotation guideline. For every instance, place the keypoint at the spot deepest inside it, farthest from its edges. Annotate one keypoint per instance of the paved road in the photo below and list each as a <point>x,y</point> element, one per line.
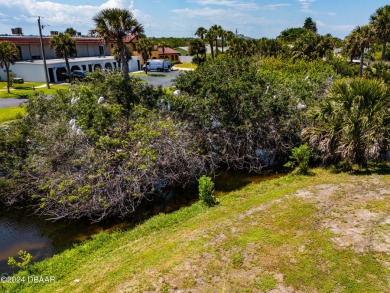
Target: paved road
<point>164,81</point>
<point>10,102</point>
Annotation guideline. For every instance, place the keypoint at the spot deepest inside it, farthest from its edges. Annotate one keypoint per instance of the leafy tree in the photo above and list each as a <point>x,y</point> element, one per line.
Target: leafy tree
<point>96,160</point>
<point>70,31</point>
<point>65,47</point>
<point>380,21</point>
<point>249,112</point>
<point>291,34</point>
<point>352,123</point>
<point>240,47</point>
<point>113,24</point>
<point>310,25</point>
<point>8,55</point>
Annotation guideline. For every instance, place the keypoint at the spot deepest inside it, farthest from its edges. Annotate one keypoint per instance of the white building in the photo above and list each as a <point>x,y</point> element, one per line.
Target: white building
<point>92,53</point>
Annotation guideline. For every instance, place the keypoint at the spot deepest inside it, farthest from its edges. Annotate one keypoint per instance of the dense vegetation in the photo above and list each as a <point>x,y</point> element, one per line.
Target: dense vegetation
<point>111,142</point>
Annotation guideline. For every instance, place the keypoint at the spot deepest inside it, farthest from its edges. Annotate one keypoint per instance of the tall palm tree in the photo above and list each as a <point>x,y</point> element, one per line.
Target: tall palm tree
<point>217,29</point>
<point>380,21</point>
<point>210,37</point>
<point>113,24</point>
<point>361,38</point>
<point>364,36</point>
<point>145,47</point>
<point>8,55</point>
<point>197,48</point>
<point>163,45</point>
<point>201,32</point>
<point>64,46</point>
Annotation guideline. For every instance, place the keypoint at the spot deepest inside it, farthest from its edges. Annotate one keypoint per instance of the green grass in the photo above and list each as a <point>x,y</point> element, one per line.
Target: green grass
<point>258,238</point>
<point>149,74</point>
<point>187,65</point>
<point>27,89</point>
<point>7,114</point>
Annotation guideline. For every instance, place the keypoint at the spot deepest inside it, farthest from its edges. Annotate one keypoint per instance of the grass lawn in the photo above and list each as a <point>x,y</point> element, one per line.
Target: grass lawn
<point>7,114</point>
<point>27,89</point>
<point>187,65</point>
<point>323,233</point>
<point>149,74</point>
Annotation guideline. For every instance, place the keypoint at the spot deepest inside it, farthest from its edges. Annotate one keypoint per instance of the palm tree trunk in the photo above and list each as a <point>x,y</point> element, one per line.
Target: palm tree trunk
<point>384,50</point>
<point>7,69</point>
<point>212,49</point>
<point>68,68</point>
<point>216,47</point>
<point>361,63</point>
<point>222,43</point>
<point>125,67</point>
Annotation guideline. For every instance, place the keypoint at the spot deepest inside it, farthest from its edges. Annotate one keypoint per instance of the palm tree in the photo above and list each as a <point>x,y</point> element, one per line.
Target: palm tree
<point>197,48</point>
<point>64,46</point>
<point>113,24</point>
<point>145,47</point>
<point>201,32</point>
<point>70,31</point>
<point>380,21</point>
<point>163,45</point>
<point>8,55</point>
<point>364,38</point>
<point>217,32</point>
<point>209,37</point>
<point>352,123</point>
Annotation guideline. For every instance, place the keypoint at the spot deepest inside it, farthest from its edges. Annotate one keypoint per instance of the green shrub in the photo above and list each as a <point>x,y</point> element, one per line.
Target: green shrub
<point>300,157</point>
<point>24,263</point>
<point>206,190</point>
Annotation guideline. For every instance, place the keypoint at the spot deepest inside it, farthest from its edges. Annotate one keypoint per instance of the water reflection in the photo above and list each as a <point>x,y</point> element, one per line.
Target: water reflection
<point>20,230</point>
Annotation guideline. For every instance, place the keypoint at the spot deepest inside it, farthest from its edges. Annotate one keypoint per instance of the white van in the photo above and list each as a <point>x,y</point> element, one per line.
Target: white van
<point>157,65</point>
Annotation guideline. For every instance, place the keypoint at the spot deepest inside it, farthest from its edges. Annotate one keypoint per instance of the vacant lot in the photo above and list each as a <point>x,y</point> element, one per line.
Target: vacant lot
<point>323,233</point>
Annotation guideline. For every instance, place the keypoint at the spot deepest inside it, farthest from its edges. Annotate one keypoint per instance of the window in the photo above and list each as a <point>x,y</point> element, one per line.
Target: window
<point>20,52</point>
<point>101,50</point>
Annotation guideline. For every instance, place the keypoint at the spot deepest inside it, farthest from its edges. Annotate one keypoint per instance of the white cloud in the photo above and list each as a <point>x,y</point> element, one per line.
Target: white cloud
<point>24,13</point>
<point>305,5</point>
<point>347,28</point>
<point>273,6</point>
<point>229,3</point>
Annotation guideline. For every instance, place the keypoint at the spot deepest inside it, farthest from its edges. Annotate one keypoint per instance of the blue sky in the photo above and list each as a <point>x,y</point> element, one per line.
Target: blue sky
<point>180,18</point>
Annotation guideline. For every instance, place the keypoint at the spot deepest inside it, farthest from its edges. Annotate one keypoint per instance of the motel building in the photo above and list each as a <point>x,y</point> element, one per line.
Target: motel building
<point>92,54</point>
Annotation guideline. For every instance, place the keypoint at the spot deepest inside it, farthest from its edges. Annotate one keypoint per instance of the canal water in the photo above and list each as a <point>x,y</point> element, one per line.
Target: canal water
<point>22,230</point>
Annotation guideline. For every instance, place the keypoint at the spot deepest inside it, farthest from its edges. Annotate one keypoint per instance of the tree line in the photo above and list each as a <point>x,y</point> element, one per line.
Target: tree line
<point>111,142</point>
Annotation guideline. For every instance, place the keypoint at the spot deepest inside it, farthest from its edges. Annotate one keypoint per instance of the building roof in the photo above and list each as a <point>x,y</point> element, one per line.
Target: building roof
<point>167,51</point>
<point>23,40</point>
<point>130,38</point>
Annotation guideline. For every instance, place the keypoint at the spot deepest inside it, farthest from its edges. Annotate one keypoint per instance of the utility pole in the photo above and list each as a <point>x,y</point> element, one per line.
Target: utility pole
<point>43,51</point>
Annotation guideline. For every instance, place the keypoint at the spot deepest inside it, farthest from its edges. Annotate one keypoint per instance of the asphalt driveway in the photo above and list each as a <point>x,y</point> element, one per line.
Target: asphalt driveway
<point>165,79</point>
<point>10,102</point>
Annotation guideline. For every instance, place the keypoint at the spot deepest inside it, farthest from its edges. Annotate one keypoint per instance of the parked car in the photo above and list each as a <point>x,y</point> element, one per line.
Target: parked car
<point>76,74</point>
<point>158,65</point>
